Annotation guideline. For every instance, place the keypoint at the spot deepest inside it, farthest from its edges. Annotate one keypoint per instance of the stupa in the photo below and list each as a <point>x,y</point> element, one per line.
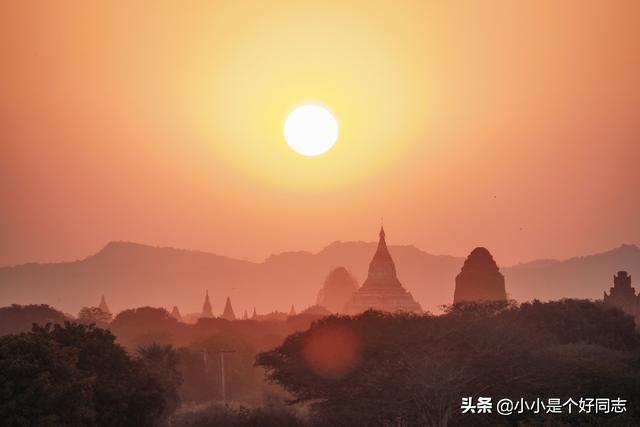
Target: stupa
<point>103,305</point>
<point>480,279</point>
<point>175,313</point>
<point>206,307</point>
<point>623,296</point>
<point>228,313</point>
<point>382,290</point>
<point>338,288</point>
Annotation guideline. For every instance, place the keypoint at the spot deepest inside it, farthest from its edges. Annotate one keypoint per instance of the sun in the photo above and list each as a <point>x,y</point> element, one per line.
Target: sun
<point>310,129</point>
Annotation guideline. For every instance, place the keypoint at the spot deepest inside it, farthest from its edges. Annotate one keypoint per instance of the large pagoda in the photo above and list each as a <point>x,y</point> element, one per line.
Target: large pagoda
<point>480,279</point>
<point>382,290</point>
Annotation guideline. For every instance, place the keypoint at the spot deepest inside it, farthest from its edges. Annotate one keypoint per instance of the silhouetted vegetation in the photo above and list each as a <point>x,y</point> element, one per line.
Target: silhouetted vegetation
<point>198,346</point>
<point>228,416</point>
<point>144,326</point>
<point>76,374</point>
<point>371,369</point>
<point>95,315</point>
<point>414,370</point>
<point>20,318</point>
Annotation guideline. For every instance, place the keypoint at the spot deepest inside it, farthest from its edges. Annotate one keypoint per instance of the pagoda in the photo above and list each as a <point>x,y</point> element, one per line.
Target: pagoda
<point>479,279</point>
<point>103,305</point>
<point>228,313</point>
<point>338,288</point>
<point>382,290</point>
<point>206,307</point>
<point>623,296</point>
<point>175,313</point>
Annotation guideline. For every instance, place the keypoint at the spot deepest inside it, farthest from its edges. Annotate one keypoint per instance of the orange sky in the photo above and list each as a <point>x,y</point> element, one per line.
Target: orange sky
<point>514,125</point>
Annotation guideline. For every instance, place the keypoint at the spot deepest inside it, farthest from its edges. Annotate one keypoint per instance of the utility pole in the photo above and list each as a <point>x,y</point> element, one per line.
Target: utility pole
<point>222,382</point>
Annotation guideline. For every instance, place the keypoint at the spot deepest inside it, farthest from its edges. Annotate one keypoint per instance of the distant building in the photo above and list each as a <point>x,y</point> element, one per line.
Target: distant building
<point>228,313</point>
<point>175,313</point>
<point>206,307</point>
<point>339,287</point>
<point>623,296</point>
<point>292,312</point>
<point>480,279</point>
<point>382,290</point>
<point>103,305</point>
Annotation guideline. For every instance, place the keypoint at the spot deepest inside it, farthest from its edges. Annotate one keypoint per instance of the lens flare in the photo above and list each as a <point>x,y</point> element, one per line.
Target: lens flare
<point>332,351</point>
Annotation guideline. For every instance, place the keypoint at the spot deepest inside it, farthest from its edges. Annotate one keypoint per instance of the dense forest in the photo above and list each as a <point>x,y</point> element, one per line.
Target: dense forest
<point>145,368</point>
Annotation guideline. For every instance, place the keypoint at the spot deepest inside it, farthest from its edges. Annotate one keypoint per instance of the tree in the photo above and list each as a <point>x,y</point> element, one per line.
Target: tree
<point>41,384</point>
<point>20,318</point>
<point>76,375</point>
<point>94,315</point>
<point>161,361</point>
<point>144,326</point>
<point>414,370</point>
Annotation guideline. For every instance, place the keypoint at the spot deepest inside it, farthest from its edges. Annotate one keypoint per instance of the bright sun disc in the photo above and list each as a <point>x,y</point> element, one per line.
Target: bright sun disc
<point>310,130</point>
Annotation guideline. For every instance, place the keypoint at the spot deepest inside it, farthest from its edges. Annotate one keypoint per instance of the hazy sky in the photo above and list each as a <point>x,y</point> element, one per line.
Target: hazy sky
<point>513,125</point>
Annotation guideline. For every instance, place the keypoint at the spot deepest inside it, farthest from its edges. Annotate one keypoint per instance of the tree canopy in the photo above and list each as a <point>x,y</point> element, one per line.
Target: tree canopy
<point>19,318</point>
<point>383,369</point>
<point>94,315</point>
<point>76,374</point>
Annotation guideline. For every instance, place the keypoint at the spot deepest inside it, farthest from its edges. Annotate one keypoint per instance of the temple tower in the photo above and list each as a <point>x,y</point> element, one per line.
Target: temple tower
<point>228,313</point>
<point>175,313</point>
<point>382,290</point>
<point>623,296</point>
<point>480,279</point>
<point>103,305</point>
<point>206,307</point>
<point>338,288</point>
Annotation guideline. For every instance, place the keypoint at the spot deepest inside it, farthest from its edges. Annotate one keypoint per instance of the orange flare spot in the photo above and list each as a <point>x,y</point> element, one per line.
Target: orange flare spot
<point>332,351</point>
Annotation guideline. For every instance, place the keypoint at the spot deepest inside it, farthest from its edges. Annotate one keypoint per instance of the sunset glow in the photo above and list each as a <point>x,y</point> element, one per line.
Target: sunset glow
<point>463,124</point>
<point>319,213</point>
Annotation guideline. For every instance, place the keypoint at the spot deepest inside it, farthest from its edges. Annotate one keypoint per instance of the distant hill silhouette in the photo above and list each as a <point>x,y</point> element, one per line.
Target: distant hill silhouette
<point>133,275</point>
<point>581,277</point>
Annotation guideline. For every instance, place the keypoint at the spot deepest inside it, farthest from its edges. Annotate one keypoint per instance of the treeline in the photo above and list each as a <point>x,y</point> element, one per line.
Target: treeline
<point>197,345</point>
<point>374,369</point>
<point>76,375</point>
<point>412,370</point>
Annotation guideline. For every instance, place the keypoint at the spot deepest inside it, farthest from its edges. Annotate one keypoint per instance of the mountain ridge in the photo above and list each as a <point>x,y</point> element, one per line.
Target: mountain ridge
<point>126,243</point>
<point>133,274</point>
